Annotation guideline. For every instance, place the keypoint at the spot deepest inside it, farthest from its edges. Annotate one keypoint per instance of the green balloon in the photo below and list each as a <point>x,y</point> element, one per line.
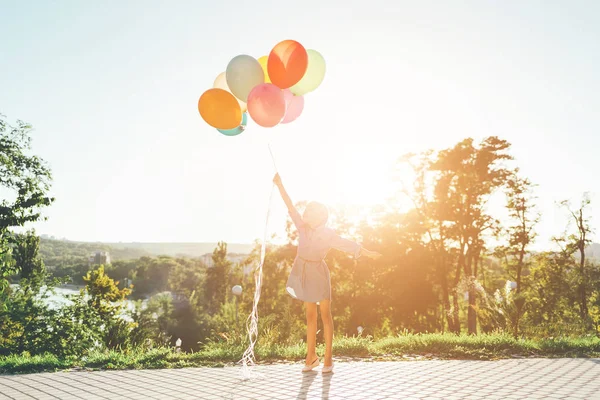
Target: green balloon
<point>315,72</point>
<point>238,130</point>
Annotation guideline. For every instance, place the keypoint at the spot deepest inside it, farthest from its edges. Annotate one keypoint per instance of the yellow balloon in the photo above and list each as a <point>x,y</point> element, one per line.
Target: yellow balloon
<point>221,83</point>
<point>263,63</point>
<point>315,73</point>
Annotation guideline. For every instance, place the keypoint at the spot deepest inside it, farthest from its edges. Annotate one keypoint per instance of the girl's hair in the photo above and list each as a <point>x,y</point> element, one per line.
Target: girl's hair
<point>319,210</point>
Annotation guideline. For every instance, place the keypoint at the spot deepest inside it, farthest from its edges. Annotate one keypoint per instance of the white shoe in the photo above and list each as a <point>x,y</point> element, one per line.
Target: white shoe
<point>327,370</point>
<point>308,368</point>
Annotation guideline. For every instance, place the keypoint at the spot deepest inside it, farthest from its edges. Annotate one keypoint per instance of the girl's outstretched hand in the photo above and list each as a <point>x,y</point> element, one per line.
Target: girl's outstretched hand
<point>277,180</point>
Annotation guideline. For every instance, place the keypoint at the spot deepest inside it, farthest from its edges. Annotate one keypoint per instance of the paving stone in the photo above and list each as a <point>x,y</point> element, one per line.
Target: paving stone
<point>504,379</point>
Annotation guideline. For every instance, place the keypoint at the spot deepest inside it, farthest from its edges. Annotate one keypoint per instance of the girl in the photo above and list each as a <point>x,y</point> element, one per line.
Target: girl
<point>309,279</point>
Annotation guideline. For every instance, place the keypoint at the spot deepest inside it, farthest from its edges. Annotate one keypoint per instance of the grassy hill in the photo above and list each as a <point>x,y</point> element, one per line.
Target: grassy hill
<point>179,249</point>
<point>60,252</point>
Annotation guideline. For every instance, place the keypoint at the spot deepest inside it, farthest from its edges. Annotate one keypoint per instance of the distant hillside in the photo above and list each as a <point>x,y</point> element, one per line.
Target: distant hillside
<point>62,252</point>
<point>56,252</point>
<point>180,249</point>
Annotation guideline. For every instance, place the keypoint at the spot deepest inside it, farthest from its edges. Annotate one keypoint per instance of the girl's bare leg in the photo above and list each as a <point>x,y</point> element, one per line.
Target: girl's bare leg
<point>311,332</point>
<point>327,330</point>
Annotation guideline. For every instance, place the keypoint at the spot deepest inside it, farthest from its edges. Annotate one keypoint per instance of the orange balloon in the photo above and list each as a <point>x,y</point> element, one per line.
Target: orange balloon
<point>287,63</point>
<point>220,109</point>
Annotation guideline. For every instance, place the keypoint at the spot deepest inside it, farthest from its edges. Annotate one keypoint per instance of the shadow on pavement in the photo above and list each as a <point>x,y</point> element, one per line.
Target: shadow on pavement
<point>307,380</point>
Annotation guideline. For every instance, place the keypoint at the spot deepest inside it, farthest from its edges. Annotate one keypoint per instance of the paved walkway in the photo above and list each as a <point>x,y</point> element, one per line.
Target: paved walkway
<point>506,379</point>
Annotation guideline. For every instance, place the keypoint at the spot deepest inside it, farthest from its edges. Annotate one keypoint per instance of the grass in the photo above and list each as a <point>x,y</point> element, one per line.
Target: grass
<point>409,346</point>
<point>137,359</point>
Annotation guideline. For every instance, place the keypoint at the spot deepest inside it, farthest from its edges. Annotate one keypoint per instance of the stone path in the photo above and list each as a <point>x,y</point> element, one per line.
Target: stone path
<point>506,379</point>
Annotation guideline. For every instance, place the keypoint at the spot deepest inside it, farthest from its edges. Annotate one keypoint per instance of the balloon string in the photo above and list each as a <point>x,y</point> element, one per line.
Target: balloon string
<point>272,157</point>
<point>248,358</point>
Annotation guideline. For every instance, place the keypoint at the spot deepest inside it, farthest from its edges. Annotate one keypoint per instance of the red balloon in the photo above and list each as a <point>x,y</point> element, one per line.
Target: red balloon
<point>287,63</point>
<point>266,105</point>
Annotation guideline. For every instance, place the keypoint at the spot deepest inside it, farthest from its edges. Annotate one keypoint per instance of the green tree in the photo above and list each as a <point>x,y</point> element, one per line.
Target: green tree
<point>106,299</point>
<point>577,242</point>
<point>152,275</point>
<point>153,323</point>
<point>103,291</point>
<point>25,181</point>
<point>187,278</point>
<point>551,300</point>
<point>29,324</point>
<point>217,279</point>
<point>469,175</point>
<point>28,262</point>
<point>450,192</point>
<point>521,234</point>
<point>564,282</point>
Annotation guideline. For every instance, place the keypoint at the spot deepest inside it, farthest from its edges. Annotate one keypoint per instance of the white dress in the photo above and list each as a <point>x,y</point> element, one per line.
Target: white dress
<point>309,278</point>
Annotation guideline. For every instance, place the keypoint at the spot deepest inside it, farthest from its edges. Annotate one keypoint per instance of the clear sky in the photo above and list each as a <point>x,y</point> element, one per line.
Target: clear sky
<point>112,89</point>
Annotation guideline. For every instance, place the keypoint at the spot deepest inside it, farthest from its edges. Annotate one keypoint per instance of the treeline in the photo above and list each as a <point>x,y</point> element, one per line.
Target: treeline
<point>145,276</point>
<point>63,254</point>
<point>70,261</point>
<point>449,264</point>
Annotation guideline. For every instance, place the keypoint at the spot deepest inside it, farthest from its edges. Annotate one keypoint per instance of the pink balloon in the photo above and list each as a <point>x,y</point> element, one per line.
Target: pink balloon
<point>294,106</point>
<point>266,105</point>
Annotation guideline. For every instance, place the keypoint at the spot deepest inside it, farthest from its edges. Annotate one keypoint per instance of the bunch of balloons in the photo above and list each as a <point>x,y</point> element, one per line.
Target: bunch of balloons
<point>270,89</point>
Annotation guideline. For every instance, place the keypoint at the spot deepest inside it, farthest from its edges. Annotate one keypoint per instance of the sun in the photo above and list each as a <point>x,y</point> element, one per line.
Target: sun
<point>359,180</point>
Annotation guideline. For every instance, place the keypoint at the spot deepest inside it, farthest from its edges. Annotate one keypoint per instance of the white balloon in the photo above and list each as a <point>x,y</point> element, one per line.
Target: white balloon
<point>237,290</point>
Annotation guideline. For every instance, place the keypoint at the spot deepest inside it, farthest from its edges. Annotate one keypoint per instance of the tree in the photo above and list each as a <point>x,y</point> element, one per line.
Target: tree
<point>523,213</point>
<point>469,175</point>
<point>577,242</point>
<point>550,302</point>
<point>428,222</point>
<point>187,278</point>
<point>217,279</point>
<point>560,281</point>
<point>29,324</point>
<point>25,179</point>
<point>106,300</point>
<point>153,322</point>
<point>103,291</point>
<point>27,260</point>
<point>152,275</point>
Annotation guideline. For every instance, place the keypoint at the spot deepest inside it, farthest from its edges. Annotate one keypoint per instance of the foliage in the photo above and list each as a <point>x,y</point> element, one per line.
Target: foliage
<point>25,182</point>
<point>153,322</point>
<point>217,279</point>
<point>520,235</point>
<point>448,265</point>
<point>27,261</point>
<point>106,300</point>
<point>29,325</point>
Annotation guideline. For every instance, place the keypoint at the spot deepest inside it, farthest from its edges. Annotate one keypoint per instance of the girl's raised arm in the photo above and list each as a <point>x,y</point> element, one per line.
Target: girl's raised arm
<point>294,214</point>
